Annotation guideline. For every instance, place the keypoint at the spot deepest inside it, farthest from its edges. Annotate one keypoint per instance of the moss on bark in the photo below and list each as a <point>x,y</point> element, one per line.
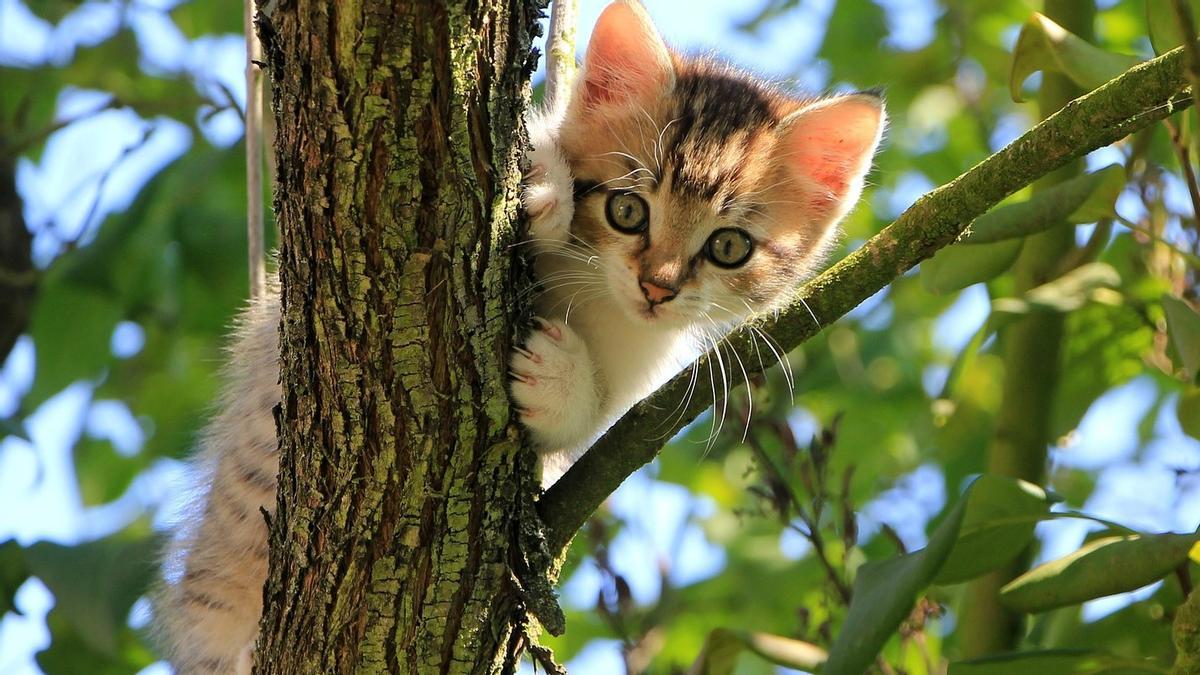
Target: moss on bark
<point>398,145</point>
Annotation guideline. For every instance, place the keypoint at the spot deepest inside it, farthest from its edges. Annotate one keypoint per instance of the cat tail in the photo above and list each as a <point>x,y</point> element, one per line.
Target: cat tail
<point>207,608</point>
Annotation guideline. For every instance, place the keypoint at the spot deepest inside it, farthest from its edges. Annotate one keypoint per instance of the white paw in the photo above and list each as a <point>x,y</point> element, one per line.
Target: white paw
<point>548,194</point>
<point>554,387</point>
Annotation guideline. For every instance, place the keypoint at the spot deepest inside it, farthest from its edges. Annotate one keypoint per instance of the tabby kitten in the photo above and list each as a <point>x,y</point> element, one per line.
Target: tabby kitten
<point>669,199</point>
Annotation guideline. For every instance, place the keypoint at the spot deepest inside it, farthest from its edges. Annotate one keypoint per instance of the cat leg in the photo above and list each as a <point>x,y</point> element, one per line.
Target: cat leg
<point>555,387</point>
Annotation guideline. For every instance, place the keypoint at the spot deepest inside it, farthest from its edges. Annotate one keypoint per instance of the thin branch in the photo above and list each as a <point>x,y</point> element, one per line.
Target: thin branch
<point>1141,96</point>
<point>560,51</point>
<point>1189,258</point>
<point>254,156</point>
<point>1184,154</point>
<point>1187,25</point>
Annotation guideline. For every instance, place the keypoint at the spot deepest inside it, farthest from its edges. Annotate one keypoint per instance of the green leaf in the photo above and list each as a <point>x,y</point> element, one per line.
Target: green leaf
<point>1053,662</point>
<point>1044,45</point>
<point>13,426</point>
<point>1101,567</point>
<point>956,267</point>
<point>1084,199</point>
<point>1103,347</point>
<point>1183,326</point>
<point>53,10</point>
<point>1164,24</point>
<point>724,646</point>
<point>103,474</point>
<point>70,653</point>
<point>998,525</point>
<point>884,594</point>
<point>1093,282</point>
<point>71,328</point>
<point>1188,412</point>
<point>13,573</point>
<point>205,18</point>
<point>95,584</point>
<point>992,243</point>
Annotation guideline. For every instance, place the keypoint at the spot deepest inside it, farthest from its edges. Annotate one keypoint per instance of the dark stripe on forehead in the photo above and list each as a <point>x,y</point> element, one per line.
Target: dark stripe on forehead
<point>583,188</point>
<point>714,110</point>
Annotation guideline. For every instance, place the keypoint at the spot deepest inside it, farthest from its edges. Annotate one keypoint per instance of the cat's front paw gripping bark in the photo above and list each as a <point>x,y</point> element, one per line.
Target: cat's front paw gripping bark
<point>549,189</point>
<point>554,386</point>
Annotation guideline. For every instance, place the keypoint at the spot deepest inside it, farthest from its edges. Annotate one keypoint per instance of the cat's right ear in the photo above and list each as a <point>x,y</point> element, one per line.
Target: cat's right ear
<point>627,62</point>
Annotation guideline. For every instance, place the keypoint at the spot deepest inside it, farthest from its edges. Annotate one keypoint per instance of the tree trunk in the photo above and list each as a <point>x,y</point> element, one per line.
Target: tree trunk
<point>1031,347</point>
<point>399,145</point>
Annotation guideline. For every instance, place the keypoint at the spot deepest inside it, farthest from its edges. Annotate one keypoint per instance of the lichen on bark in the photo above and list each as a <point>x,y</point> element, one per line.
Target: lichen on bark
<point>399,146</point>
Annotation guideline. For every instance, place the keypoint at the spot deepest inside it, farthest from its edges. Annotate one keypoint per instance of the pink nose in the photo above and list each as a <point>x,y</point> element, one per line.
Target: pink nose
<point>657,294</point>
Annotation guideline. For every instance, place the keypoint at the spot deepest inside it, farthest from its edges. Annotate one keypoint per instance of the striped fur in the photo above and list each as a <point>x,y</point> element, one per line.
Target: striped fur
<point>207,616</point>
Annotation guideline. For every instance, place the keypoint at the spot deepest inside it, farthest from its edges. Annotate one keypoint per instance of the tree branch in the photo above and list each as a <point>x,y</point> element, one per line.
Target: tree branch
<point>1141,96</point>
<point>254,155</point>
<point>560,50</point>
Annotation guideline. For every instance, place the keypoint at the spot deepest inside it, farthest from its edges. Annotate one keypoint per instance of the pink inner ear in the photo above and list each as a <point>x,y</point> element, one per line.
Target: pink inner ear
<point>626,58</point>
<point>830,148</point>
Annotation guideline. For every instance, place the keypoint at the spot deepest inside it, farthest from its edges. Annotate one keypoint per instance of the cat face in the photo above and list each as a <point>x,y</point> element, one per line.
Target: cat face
<point>705,195</point>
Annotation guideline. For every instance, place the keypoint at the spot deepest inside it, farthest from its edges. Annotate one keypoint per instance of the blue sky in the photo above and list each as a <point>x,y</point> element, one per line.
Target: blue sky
<point>38,496</point>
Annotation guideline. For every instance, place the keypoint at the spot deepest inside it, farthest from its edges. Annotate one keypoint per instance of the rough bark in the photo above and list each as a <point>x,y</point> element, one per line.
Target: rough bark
<point>398,150</point>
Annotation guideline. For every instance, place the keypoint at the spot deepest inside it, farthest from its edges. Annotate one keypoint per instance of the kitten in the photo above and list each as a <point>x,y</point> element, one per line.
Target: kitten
<point>669,199</point>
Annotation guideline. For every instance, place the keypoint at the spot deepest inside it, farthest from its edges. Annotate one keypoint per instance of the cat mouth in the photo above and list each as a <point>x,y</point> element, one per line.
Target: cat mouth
<point>650,312</point>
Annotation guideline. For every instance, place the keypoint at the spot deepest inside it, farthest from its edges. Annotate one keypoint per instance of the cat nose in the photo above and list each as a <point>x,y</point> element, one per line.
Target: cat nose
<point>657,294</point>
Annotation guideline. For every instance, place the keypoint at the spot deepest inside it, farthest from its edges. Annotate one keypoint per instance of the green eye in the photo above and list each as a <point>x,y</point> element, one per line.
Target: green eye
<point>729,247</point>
<point>627,212</point>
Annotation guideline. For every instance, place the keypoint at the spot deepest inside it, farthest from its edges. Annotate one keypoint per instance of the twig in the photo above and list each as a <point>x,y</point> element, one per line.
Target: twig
<point>254,156</point>
<point>1190,258</point>
<point>1187,25</point>
<point>69,244</point>
<point>37,136</point>
<point>560,51</point>
<point>1184,155</point>
<point>1141,96</point>
<point>812,523</point>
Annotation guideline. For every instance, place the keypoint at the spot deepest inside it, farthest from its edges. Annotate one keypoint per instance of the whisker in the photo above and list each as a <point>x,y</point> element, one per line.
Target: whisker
<point>810,311</point>
<point>660,148</point>
<point>724,396</point>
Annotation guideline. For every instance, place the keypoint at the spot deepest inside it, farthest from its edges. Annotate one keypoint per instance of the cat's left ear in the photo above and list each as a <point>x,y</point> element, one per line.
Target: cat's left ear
<point>827,147</point>
<point>627,62</point>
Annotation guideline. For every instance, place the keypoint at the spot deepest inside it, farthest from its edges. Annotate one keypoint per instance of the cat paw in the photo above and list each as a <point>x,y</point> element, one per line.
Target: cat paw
<point>554,387</point>
<point>548,196</point>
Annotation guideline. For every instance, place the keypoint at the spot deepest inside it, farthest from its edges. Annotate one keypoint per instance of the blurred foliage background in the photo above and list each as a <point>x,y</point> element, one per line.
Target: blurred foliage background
<point>122,262</point>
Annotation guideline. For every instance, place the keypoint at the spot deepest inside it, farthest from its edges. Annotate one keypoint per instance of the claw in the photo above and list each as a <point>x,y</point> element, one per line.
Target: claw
<point>536,358</point>
<point>549,329</point>
<point>522,377</point>
<point>536,171</point>
<point>542,209</point>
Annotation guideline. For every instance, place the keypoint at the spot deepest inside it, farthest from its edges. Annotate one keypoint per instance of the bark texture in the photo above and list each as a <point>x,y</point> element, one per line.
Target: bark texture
<point>398,149</point>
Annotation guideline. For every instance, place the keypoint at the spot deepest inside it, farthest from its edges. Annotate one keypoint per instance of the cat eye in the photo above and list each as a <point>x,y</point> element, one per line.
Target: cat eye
<point>627,212</point>
<point>729,247</point>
